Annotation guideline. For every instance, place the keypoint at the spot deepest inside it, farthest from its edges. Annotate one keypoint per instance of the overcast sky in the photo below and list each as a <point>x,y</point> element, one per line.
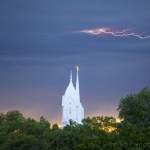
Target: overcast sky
<point>39,46</point>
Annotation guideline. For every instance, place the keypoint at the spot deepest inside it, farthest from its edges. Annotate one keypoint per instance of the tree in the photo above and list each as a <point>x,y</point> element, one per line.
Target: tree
<point>13,120</point>
<point>98,133</point>
<point>104,123</point>
<point>54,127</point>
<point>20,141</point>
<point>135,108</point>
<point>2,118</point>
<point>14,115</point>
<point>66,138</point>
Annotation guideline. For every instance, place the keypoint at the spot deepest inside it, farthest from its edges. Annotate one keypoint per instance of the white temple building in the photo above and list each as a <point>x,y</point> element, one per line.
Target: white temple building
<point>71,105</point>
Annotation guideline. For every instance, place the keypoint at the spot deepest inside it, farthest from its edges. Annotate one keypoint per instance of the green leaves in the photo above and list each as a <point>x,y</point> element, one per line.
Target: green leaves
<point>104,123</point>
<point>14,115</point>
<point>135,108</point>
<point>96,133</point>
<point>20,141</point>
<point>16,132</point>
<point>2,118</point>
<point>54,127</point>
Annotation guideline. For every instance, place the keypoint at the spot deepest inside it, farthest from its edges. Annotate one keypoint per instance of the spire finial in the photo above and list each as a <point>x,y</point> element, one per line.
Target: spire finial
<point>71,76</point>
<point>77,69</point>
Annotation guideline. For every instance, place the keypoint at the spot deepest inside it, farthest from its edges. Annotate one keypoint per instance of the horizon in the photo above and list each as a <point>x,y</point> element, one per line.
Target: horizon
<point>40,42</point>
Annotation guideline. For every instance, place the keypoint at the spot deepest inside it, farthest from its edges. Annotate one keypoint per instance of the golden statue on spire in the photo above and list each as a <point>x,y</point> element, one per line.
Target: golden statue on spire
<point>77,69</point>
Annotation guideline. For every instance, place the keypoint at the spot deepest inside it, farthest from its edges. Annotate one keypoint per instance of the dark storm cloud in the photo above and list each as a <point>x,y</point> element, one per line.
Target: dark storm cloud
<point>39,46</point>
<point>29,27</point>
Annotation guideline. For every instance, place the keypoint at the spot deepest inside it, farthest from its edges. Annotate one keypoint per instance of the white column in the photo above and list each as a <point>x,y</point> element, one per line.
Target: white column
<point>77,91</point>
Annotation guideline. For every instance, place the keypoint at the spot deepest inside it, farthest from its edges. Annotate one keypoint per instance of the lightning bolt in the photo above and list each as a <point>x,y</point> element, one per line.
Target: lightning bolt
<point>123,33</point>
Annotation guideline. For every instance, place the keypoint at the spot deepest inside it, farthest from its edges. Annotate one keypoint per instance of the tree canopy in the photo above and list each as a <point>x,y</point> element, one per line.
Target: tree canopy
<point>135,108</point>
<point>96,133</point>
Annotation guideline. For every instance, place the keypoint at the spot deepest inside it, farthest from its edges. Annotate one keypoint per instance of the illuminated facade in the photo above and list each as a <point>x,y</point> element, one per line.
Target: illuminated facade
<point>71,106</point>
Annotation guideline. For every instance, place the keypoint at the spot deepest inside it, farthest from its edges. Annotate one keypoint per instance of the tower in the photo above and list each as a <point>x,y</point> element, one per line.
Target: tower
<point>71,105</point>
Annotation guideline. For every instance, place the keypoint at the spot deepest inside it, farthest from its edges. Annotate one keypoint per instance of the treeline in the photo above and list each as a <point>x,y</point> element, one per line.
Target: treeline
<point>96,133</point>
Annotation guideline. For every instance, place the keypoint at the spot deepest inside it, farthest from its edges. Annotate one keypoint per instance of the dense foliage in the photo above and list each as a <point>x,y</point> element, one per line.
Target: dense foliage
<point>135,108</point>
<point>96,133</point>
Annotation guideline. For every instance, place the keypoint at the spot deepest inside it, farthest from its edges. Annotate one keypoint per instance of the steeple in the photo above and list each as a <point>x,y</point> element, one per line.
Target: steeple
<point>77,87</point>
<point>71,76</point>
<point>71,106</point>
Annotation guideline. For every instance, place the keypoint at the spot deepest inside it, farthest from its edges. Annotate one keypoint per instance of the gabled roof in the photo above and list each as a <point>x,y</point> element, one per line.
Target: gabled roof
<point>70,92</point>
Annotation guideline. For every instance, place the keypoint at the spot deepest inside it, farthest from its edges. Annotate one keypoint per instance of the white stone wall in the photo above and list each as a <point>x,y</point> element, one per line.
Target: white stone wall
<point>71,106</point>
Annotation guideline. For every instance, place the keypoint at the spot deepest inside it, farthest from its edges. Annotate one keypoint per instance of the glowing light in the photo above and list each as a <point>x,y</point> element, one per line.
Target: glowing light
<point>118,120</point>
<point>18,130</point>
<point>123,33</point>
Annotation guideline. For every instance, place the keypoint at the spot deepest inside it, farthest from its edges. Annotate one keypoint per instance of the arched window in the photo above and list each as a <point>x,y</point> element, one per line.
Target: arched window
<point>69,110</point>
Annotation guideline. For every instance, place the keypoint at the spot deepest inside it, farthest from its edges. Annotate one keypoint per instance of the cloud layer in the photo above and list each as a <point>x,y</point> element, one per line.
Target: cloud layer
<point>39,47</point>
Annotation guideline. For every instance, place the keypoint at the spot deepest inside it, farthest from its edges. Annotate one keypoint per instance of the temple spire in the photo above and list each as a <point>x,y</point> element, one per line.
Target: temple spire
<point>70,76</point>
<point>71,105</point>
<point>77,86</point>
